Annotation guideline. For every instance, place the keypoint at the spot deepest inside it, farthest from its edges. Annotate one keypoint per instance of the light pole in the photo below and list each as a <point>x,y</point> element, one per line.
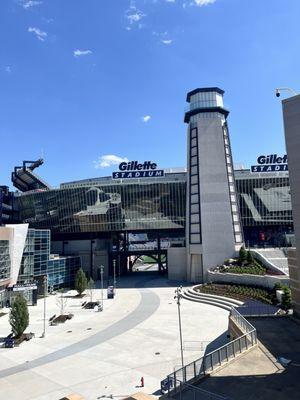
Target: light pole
<point>101,273</point>
<point>45,294</point>
<point>178,297</point>
<point>115,281</point>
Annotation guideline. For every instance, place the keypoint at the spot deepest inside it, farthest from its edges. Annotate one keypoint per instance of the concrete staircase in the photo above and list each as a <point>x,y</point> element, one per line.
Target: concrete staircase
<point>218,301</point>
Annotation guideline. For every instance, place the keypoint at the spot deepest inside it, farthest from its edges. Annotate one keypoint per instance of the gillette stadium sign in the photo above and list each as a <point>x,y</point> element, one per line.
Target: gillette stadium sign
<point>134,169</point>
<point>271,163</point>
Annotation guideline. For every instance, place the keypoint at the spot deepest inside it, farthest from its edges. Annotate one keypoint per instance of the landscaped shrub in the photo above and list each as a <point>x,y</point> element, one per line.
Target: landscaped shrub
<point>286,300</point>
<point>278,286</point>
<point>246,264</point>
<point>242,255</point>
<point>250,258</point>
<point>240,292</point>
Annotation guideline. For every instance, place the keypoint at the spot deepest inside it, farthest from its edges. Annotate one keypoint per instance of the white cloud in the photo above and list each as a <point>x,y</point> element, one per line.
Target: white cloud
<point>31,3</point>
<point>79,53</point>
<point>109,160</point>
<point>201,3</point>
<point>170,1</point>
<point>146,118</point>
<point>7,69</point>
<point>134,15</point>
<point>39,34</point>
<point>167,41</point>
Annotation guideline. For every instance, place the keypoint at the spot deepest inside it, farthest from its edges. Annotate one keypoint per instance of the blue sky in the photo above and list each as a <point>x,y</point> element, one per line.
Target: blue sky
<point>81,79</point>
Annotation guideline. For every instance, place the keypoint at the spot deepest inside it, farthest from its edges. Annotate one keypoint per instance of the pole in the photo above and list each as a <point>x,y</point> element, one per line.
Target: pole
<point>178,297</point>
<point>45,294</point>
<point>101,272</point>
<point>115,281</point>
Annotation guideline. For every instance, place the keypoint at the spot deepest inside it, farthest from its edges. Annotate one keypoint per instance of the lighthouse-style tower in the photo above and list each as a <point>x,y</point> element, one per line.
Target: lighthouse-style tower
<point>213,227</point>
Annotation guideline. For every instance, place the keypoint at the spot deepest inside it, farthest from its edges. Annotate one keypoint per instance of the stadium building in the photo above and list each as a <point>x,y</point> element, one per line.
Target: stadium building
<point>188,220</point>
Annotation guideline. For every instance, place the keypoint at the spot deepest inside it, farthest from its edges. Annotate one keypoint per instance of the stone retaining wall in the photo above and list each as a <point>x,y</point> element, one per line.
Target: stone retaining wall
<point>267,281</point>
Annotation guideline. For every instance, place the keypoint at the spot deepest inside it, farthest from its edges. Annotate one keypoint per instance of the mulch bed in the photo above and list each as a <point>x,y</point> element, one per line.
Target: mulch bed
<point>62,318</point>
<point>90,305</point>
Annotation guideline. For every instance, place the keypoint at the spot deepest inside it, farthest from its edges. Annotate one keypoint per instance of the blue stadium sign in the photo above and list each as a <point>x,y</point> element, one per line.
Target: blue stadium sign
<point>271,163</point>
<point>135,170</point>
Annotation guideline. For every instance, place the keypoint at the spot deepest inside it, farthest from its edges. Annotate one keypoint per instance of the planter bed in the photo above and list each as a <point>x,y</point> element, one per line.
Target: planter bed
<point>61,319</point>
<point>239,292</point>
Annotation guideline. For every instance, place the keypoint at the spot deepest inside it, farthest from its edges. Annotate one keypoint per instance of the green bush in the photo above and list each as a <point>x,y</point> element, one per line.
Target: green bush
<point>80,281</point>
<point>19,316</point>
<point>250,258</point>
<point>286,298</point>
<point>242,255</point>
<point>278,286</point>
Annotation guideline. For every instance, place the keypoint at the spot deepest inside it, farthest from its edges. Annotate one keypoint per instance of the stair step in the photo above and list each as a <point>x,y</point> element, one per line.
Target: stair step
<point>224,302</point>
<point>217,297</point>
<point>209,302</point>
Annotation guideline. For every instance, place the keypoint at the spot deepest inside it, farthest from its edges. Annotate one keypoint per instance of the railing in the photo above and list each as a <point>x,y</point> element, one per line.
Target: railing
<point>190,392</point>
<point>215,359</point>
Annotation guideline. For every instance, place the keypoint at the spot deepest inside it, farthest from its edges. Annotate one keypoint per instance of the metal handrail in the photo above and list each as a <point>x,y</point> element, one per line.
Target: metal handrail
<point>206,364</point>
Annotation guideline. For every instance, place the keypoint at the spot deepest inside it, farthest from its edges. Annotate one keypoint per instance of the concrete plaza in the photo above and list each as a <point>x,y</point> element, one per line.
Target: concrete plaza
<point>98,354</point>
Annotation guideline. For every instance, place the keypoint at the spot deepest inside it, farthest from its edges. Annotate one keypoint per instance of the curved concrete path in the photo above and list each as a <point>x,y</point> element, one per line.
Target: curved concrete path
<point>149,303</point>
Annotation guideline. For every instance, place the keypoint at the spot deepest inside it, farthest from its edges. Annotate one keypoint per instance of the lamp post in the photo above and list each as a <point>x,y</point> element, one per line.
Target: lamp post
<point>115,281</point>
<point>178,297</point>
<point>45,294</point>
<point>101,274</point>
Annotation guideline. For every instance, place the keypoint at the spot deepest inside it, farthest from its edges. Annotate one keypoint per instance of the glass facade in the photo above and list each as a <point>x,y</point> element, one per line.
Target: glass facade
<point>206,99</point>
<point>4,260</point>
<point>62,271</point>
<point>106,205</point>
<point>265,206</point>
<point>35,255</point>
<point>113,206</point>
<point>37,261</point>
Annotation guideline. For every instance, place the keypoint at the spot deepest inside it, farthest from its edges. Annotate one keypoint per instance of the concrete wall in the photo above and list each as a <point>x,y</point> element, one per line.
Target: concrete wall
<point>267,263</point>
<point>216,221</point>
<point>267,281</point>
<point>291,116</point>
<point>177,263</point>
<point>294,279</point>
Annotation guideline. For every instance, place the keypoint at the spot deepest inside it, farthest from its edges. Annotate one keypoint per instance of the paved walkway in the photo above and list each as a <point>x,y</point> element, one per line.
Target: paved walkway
<point>99,354</point>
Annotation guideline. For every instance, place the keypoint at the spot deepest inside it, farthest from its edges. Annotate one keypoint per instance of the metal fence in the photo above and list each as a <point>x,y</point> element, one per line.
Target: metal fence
<point>209,362</point>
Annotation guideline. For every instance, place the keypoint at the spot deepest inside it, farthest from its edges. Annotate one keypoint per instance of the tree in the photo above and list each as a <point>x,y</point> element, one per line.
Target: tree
<point>242,255</point>
<point>19,316</point>
<point>91,287</point>
<point>286,299</point>
<point>61,302</point>
<point>80,281</point>
<point>250,258</point>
